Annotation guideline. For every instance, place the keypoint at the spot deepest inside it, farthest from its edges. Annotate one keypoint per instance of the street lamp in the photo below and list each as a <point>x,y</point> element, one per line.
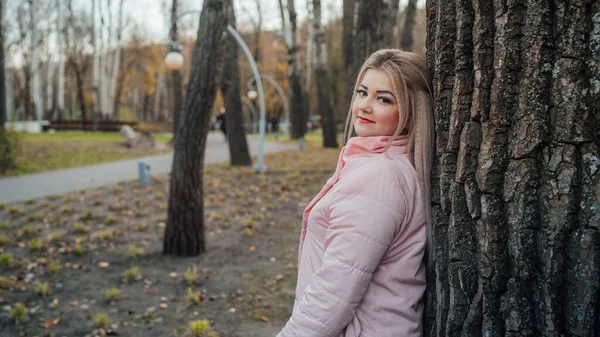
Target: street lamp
<point>174,60</point>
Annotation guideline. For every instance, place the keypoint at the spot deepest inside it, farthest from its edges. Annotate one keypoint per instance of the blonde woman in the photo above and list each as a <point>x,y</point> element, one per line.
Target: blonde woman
<point>361,266</point>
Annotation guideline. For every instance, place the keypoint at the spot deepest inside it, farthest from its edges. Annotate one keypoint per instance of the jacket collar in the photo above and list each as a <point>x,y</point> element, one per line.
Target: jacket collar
<point>364,145</point>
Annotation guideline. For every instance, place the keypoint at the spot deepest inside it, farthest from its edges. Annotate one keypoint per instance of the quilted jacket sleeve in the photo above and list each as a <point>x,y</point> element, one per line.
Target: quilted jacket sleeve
<point>364,214</point>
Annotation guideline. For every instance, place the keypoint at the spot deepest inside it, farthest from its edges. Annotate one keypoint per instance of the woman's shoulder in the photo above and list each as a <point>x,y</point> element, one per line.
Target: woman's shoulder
<point>388,180</point>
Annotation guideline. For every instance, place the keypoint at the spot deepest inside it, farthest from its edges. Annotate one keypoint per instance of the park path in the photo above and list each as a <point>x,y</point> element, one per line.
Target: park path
<point>21,188</point>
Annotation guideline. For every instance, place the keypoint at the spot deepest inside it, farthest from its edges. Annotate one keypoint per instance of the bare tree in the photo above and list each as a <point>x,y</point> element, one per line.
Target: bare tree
<point>406,41</point>
<point>370,29</point>
<point>184,234</point>
<point>323,86</point>
<point>175,74</point>
<point>3,110</point>
<point>298,104</point>
<point>348,52</point>
<point>230,88</point>
<point>60,92</point>
<point>515,203</point>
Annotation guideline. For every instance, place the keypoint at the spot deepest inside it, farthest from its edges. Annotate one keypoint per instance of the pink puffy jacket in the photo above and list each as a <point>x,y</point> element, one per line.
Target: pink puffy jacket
<point>360,262</point>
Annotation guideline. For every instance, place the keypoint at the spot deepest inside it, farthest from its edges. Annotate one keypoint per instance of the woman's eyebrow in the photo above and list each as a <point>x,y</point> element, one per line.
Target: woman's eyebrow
<point>379,91</point>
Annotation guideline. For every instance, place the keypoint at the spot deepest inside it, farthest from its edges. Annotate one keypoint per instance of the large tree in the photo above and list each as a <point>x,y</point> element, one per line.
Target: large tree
<point>516,190</point>
<point>184,235</point>
<point>323,87</point>
<point>230,88</point>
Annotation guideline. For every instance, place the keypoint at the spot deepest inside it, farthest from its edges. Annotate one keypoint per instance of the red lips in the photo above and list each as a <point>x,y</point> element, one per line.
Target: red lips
<point>365,120</point>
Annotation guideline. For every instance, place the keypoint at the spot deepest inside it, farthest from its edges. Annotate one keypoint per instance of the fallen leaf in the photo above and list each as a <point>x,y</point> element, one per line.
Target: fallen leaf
<point>103,264</point>
<point>265,319</point>
<point>252,248</point>
<point>173,275</point>
<point>74,303</point>
<point>163,305</point>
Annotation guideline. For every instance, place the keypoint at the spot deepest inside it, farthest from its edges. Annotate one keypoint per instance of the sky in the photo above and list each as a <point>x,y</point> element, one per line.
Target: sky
<point>156,22</point>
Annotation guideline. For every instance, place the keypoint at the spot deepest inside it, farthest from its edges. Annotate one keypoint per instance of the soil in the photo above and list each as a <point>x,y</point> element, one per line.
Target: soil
<point>244,283</point>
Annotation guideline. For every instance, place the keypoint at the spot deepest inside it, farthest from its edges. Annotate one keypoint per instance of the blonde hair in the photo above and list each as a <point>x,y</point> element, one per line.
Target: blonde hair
<point>409,76</point>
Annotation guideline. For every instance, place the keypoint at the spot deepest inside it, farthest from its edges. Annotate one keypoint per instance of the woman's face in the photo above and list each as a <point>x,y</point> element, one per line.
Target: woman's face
<point>375,109</point>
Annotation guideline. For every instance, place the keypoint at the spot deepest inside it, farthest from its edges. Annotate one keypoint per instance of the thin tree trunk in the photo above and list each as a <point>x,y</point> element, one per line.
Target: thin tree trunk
<point>298,104</point>
<point>35,65</point>
<point>96,69</point>
<point>516,221</point>
<point>116,66</point>
<point>323,87</point>
<point>60,81</point>
<point>80,92</point>
<point>406,41</point>
<point>348,51</point>
<point>3,94</point>
<point>175,74</point>
<point>257,33</point>
<point>184,235</point>
<point>230,89</point>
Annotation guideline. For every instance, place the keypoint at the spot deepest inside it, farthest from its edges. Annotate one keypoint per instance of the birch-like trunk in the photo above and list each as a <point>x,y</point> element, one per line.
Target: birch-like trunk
<point>35,65</point>
<point>516,186</point>
<point>406,41</point>
<point>96,67</point>
<point>116,65</point>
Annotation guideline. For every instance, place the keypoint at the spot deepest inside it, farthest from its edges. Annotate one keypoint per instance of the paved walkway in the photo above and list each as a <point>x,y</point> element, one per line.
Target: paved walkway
<point>43,184</point>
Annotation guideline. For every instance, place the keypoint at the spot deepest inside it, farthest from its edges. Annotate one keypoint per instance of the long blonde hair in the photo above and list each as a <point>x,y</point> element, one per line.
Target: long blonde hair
<point>409,76</point>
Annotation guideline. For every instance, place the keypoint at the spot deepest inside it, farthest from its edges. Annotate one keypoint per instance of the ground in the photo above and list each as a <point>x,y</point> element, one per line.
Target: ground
<point>80,244</point>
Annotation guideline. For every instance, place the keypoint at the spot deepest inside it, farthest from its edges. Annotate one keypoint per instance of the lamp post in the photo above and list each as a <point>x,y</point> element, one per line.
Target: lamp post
<point>174,61</point>
<point>286,107</point>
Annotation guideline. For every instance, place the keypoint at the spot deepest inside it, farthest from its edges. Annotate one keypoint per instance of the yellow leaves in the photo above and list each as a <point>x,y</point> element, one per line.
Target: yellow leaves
<point>252,248</point>
<point>51,322</point>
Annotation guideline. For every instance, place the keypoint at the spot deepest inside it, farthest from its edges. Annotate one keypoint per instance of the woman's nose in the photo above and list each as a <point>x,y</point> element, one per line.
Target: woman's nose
<point>365,105</point>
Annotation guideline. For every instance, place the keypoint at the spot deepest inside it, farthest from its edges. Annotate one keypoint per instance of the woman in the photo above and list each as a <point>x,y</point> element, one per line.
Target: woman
<point>361,269</point>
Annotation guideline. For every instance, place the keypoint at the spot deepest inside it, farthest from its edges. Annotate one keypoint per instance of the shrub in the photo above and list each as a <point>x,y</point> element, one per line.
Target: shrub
<point>9,147</point>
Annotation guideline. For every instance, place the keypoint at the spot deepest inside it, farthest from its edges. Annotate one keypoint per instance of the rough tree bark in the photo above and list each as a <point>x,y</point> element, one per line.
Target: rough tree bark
<point>184,235</point>
<point>370,30</point>
<point>406,40</point>
<point>517,178</point>
<point>323,87</point>
<point>230,88</point>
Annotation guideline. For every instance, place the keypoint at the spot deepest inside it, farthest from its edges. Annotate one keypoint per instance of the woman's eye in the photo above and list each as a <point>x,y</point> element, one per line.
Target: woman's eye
<point>384,99</point>
<point>361,92</point>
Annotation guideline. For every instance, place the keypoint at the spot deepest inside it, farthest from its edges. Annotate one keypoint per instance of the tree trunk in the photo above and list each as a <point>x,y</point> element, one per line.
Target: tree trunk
<point>35,65</point>
<point>515,210</point>
<point>184,235</point>
<point>406,41</point>
<point>230,88</point>
<point>175,74</point>
<point>298,103</point>
<point>348,51</point>
<point>80,93</point>
<point>323,87</point>
<point>3,110</point>
<point>60,81</point>
<point>370,30</point>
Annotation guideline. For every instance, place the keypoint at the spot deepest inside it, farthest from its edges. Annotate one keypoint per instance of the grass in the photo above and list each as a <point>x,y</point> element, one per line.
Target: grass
<point>44,151</point>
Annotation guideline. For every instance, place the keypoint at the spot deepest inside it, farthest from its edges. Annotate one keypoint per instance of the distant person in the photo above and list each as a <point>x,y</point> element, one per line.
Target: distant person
<point>361,263</point>
<point>222,123</point>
